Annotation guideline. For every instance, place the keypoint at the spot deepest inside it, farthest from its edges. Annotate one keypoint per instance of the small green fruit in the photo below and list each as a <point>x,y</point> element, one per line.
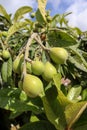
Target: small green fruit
<point>49,71</point>
<point>5,33</point>
<point>17,64</point>
<point>5,54</point>
<point>58,55</point>
<point>37,67</point>
<point>32,86</point>
<point>32,15</point>
<point>49,18</point>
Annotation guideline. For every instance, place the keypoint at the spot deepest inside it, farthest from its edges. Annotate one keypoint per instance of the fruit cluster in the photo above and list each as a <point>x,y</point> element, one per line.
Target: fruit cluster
<point>37,71</point>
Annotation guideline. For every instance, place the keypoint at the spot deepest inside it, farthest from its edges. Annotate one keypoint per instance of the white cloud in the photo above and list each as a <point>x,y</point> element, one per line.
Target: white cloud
<point>12,5</point>
<point>78,17</point>
<point>78,8</point>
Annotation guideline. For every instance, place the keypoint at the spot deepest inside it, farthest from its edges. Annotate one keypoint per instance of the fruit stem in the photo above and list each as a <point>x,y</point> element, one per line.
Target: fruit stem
<point>27,53</point>
<point>28,60</point>
<point>37,38</point>
<point>2,45</point>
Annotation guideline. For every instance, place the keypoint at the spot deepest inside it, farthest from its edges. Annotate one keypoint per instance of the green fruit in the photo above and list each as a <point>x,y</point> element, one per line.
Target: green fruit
<point>17,64</point>
<point>32,15</point>
<point>5,54</point>
<point>58,55</point>
<point>49,71</point>
<point>5,33</point>
<point>37,67</point>
<point>49,18</point>
<point>32,85</point>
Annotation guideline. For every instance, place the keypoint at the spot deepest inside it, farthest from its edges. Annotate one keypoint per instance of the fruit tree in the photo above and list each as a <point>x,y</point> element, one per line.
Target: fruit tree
<point>43,71</point>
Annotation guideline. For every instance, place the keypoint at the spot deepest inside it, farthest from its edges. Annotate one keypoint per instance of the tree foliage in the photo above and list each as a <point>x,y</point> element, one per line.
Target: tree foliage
<point>63,103</point>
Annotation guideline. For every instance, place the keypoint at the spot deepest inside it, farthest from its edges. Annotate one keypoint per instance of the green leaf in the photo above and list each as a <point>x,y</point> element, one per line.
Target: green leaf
<point>40,14</point>
<point>39,17</point>
<point>55,107</point>
<point>84,94</point>
<point>81,127</point>
<point>81,124</point>
<point>78,63</point>
<point>14,28</point>
<point>64,101</point>
<point>73,112</point>
<point>38,125</point>
<point>4,72</point>
<point>5,14</point>
<point>9,68</point>
<point>60,38</point>
<point>77,59</point>
<point>20,12</point>
<point>51,114</point>
<point>33,118</point>
<point>57,80</point>
<point>10,100</point>
<point>74,92</point>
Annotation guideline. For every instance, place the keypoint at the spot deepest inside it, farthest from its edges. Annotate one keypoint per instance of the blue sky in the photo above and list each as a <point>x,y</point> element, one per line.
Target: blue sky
<point>78,8</point>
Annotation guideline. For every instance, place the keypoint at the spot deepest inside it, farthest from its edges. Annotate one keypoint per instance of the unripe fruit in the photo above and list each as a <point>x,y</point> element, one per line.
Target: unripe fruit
<point>32,86</point>
<point>58,55</point>
<point>37,67</point>
<point>17,64</point>
<point>32,15</point>
<point>5,54</point>
<point>5,33</point>
<point>49,71</point>
<point>49,18</point>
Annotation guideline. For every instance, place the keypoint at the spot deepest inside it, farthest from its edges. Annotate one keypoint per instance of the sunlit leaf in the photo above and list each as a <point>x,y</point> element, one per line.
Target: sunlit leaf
<point>20,12</point>
<point>4,72</point>
<point>40,14</point>
<point>52,116</point>
<point>9,68</point>
<point>74,92</point>
<point>78,60</point>
<point>73,112</point>
<point>10,100</point>
<point>4,13</point>
<point>57,80</point>
<point>15,27</point>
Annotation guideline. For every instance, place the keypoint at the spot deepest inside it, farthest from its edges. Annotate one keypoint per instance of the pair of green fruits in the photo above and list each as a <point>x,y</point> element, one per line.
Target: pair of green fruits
<point>32,85</point>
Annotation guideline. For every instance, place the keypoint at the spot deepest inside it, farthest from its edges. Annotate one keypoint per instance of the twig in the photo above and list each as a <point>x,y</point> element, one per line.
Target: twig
<point>37,38</point>
<point>26,53</point>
